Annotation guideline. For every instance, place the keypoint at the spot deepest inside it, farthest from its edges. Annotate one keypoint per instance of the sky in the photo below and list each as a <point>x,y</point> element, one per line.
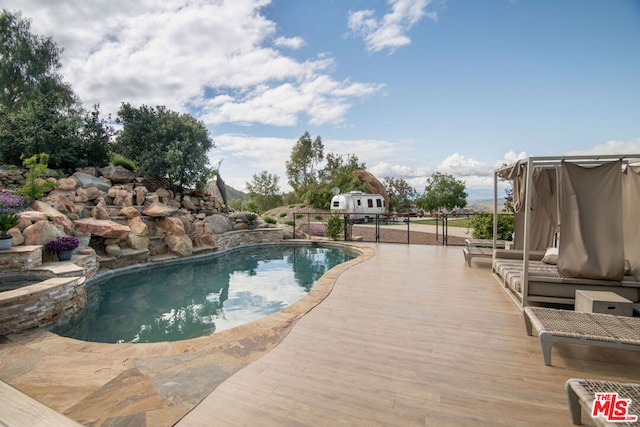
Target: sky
<point>410,87</point>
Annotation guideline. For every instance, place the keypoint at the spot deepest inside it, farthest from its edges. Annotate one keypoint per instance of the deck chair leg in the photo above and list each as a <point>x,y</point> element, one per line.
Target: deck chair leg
<point>527,323</point>
<point>574,405</point>
<point>546,342</point>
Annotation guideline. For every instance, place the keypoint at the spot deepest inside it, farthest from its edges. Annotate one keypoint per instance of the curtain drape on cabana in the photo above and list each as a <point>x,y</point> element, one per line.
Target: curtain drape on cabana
<point>591,238</point>
<point>544,206</point>
<point>630,215</point>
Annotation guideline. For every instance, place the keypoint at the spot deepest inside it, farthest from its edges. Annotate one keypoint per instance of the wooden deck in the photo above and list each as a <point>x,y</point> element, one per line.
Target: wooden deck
<point>411,337</point>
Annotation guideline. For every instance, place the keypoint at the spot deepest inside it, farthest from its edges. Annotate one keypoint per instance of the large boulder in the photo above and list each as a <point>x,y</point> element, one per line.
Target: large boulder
<point>54,215</point>
<point>117,174</point>
<point>172,226</point>
<point>102,228</point>
<point>159,210</point>
<point>202,235</point>
<point>129,212</point>
<point>138,227</point>
<point>375,186</point>
<point>180,245</point>
<point>67,184</point>
<point>30,217</point>
<point>41,233</point>
<point>61,202</point>
<point>219,223</point>
<point>87,181</point>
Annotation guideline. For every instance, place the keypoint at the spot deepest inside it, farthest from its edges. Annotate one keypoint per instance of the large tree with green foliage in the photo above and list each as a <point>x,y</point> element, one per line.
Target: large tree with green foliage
<point>39,113</point>
<point>443,191</point>
<point>264,191</point>
<point>301,168</point>
<point>165,145</point>
<point>401,195</point>
<point>29,64</point>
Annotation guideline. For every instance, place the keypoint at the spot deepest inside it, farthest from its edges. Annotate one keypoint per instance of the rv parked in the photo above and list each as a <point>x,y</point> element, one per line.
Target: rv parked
<point>361,207</point>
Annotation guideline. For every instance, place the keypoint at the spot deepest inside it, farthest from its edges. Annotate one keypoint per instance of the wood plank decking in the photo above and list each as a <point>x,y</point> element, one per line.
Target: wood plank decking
<point>411,337</point>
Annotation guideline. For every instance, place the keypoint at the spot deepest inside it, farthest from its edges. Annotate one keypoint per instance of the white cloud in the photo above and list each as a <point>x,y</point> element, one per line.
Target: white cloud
<point>290,42</point>
<point>221,58</point>
<point>389,32</point>
<point>510,157</point>
<point>611,147</point>
<point>457,165</point>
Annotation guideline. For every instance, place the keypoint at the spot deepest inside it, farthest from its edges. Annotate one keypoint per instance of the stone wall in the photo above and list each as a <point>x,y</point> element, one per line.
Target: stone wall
<point>41,304</point>
<point>21,258</point>
<point>12,177</point>
<point>234,239</point>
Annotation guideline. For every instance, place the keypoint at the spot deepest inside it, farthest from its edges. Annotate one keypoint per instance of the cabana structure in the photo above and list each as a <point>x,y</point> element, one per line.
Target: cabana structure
<point>577,227</point>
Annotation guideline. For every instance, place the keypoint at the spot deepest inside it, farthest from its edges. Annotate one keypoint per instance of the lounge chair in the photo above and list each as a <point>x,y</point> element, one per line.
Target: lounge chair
<point>604,330</point>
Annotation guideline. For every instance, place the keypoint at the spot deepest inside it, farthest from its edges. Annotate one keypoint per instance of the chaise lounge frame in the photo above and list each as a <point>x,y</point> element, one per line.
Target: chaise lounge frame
<point>564,326</point>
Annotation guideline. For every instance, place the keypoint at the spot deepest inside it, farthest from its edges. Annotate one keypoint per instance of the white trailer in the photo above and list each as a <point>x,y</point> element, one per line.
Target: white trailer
<point>360,206</point>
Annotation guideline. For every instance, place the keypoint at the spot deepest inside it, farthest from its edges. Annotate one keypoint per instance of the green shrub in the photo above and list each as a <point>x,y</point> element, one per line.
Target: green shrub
<point>120,160</point>
<point>269,220</point>
<point>334,227</point>
<point>35,187</point>
<point>483,226</point>
<point>299,215</point>
<point>289,223</point>
<point>318,217</point>
<point>283,214</point>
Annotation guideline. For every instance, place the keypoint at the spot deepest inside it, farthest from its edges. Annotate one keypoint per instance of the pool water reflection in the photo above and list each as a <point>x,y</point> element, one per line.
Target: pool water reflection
<point>188,300</point>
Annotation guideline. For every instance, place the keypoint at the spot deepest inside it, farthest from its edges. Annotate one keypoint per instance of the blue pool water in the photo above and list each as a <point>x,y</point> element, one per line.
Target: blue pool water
<point>196,298</point>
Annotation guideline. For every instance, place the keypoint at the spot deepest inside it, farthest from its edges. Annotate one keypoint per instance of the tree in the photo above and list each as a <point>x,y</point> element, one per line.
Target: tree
<point>38,110</point>
<point>401,194</point>
<point>265,191</point>
<point>305,157</point>
<point>95,138</point>
<point>29,64</point>
<point>165,145</point>
<point>443,191</point>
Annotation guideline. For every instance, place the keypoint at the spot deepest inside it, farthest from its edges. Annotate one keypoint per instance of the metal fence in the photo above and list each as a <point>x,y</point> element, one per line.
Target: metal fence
<point>378,228</point>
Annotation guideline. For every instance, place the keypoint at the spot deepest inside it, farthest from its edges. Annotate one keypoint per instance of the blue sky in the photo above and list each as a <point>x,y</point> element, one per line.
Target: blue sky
<point>409,86</point>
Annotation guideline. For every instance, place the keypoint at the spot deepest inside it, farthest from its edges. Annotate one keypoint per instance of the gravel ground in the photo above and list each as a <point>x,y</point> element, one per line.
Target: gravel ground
<point>389,235</point>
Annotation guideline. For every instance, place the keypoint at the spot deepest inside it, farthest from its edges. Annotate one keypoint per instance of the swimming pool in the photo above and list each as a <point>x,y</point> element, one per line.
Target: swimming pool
<point>195,298</point>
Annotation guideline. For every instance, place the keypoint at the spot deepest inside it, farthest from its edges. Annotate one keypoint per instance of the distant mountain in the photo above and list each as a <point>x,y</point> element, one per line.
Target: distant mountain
<point>232,193</point>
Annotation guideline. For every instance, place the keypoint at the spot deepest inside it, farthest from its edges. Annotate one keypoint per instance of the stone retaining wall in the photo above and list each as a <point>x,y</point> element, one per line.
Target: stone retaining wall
<point>234,239</point>
<point>41,304</point>
<point>20,258</point>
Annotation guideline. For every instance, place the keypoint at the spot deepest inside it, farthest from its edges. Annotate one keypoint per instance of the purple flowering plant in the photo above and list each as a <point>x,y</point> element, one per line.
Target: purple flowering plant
<point>62,244</point>
<point>10,206</point>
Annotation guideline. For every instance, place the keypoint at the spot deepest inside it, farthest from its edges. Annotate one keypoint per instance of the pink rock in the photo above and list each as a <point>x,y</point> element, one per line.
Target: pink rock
<point>54,214</point>
<point>67,184</point>
<point>41,233</point>
<point>102,228</point>
<point>159,210</point>
<point>129,212</point>
<point>172,226</point>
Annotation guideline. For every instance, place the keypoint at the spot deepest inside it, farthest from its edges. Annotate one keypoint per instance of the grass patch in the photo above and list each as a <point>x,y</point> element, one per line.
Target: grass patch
<point>463,223</point>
